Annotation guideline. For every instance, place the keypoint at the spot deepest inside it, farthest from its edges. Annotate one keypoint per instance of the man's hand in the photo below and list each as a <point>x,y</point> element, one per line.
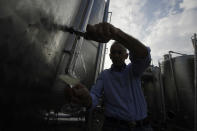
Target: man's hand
<point>102,32</point>
<point>79,94</point>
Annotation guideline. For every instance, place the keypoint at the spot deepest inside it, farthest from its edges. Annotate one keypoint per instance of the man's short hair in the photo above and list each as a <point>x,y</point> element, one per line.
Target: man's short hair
<point>116,42</point>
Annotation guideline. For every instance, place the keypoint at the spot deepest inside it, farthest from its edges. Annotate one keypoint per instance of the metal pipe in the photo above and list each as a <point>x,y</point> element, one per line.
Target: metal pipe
<point>102,47</point>
<point>194,41</point>
<point>162,94</point>
<point>58,118</point>
<point>82,28</point>
<point>177,53</point>
<point>105,20</point>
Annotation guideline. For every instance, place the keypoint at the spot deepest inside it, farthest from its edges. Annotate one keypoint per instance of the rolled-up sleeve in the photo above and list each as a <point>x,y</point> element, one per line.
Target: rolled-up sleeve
<point>140,64</point>
<point>96,91</point>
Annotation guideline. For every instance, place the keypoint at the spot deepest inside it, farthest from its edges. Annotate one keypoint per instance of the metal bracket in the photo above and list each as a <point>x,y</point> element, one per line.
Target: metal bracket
<point>110,16</point>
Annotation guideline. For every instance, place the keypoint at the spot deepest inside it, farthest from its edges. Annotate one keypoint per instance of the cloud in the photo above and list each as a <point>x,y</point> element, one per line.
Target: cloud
<point>126,15</point>
<point>163,25</point>
<point>172,32</point>
<point>189,4</point>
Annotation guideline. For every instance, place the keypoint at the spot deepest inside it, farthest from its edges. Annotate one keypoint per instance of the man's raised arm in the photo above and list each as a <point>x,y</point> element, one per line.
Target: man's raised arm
<point>103,32</point>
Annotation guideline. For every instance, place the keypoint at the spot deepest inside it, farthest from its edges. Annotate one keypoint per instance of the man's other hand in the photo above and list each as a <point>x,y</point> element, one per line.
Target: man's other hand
<point>79,94</point>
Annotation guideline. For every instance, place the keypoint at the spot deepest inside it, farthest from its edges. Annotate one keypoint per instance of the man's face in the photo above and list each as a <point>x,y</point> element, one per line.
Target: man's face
<point>118,55</point>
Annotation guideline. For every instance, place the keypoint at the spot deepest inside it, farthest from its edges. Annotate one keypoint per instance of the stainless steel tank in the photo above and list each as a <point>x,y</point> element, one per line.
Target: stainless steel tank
<point>32,57</point>
<point>178,81</point>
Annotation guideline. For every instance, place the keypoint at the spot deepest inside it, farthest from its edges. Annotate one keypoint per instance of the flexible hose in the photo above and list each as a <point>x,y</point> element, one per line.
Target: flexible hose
<point>194,40</point>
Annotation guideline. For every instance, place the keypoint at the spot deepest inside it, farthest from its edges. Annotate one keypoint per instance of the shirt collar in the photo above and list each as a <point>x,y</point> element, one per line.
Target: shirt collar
<point>113,68</point>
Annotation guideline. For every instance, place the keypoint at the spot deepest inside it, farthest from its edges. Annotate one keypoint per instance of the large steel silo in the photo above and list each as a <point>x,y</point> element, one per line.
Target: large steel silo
<point>178,82</point>
<point>32,57</point>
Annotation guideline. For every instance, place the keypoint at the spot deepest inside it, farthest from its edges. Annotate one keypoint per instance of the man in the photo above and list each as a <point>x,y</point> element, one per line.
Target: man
<point>125,106</point>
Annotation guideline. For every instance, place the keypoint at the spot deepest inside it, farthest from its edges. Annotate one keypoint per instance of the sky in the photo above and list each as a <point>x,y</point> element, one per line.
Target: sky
<point>162,25</point>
